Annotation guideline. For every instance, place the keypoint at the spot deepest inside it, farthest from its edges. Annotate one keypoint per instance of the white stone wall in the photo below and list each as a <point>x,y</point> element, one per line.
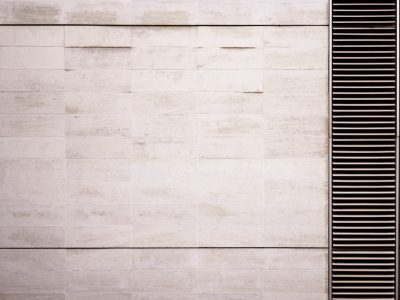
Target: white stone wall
<point>165,12</point>
<point>163,162</point>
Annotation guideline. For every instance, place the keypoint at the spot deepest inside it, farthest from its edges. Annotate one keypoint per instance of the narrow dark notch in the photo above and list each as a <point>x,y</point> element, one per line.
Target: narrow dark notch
<point>363,149</point>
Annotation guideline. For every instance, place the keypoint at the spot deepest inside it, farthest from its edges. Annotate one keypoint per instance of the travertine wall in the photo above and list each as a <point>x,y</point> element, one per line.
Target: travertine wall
<point>165,12</point>
<point>163,162</point>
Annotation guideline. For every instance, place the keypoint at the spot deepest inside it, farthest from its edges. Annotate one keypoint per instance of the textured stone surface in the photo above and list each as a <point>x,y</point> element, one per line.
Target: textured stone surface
<point>163,136</point>
<point>97,36</point>
<point>163,274</point>
<point>40,36</point>
<point>162,12</point>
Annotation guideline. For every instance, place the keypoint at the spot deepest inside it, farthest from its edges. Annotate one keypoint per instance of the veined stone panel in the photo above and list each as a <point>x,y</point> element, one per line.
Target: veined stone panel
<point>120,274</point>
<point>164,12</point>
<point>177,136</point>
<point>186,160</point>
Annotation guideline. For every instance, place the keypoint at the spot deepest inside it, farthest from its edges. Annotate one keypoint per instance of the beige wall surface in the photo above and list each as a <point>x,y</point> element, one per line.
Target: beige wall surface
<point>163,162</point>
<point>165,12</point>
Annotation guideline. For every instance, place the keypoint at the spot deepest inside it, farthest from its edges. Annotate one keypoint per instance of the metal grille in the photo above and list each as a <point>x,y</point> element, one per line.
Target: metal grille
<point>363,149</point>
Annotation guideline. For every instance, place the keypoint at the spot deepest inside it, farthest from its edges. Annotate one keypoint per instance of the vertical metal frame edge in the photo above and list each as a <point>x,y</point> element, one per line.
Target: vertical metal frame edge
<point>397,155</point>
<point>330,153</point>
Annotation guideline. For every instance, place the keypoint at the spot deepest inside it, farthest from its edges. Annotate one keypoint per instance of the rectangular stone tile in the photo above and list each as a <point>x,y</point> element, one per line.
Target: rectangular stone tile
<point>32,147</point>
<point>280,125</point>
<point>163,296</point>
<point>32,58</point>
<point>230,296</point>
<point>165,259</point>
<point>32,214</point>
<point>234,281</point>
<point>31,13</point>
<point>98,58</point>
<point>98,147</point>
<point>226,214</point>
<point>98,125</point>
<point>216,180</point>
<point>163,102</point>
<point>295,188</point>
<point>164,13</point>
<point>114,12</point>
<point>296,223</point>
<point>227,36</point>
<point>111,170</point>
<point>290,180</point>
<point>288,58</point>
<point>295,236</point>
<point>295,12</point>
<point>97,236</point>
<point>97,36</point>
<point>232,259</point>
<point>229,103</point>
<point>43,36</point>
<point>296,259</point>
<point>295,281</point>
<point>98,81</point>
<point>97,103</point>
<point>30,271</point>
<point>231,235</point>
<point>159,147</point>
<point>201,80</point>
<point>229,58</point>
<point>164,80</point>
<point>164,214</point>
<point>296,103</point>
<point>162,170</point>
<point>295,296</point>
<point>173,58</point>
<point>163,281</point>
<point>31,102</point>
<point>99,259</point>
<point>230,147</point>
<point>99,296</point>
<point>163,125</point>
<point>32,125</point>
<point>284,45</point>
<point>173,36</point>
<point>230,125</point>
<point>296,146</point>
<point>98,281</point>
<point>230,170</point>
<point>296,125</point>
<point>230,12</point>
<point>32,296</point>
<point>31,80</point>
<point>173,191</point>
<point>302,37</point>
<point>32,181</point>
<point>32,236</point>
<point>99,214</point>
<point>26,260</point>
<point>229,81</point>
<point>99,192</point>
<point>163,181</point>
<point>164,235</point>
<point>276,81</point>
